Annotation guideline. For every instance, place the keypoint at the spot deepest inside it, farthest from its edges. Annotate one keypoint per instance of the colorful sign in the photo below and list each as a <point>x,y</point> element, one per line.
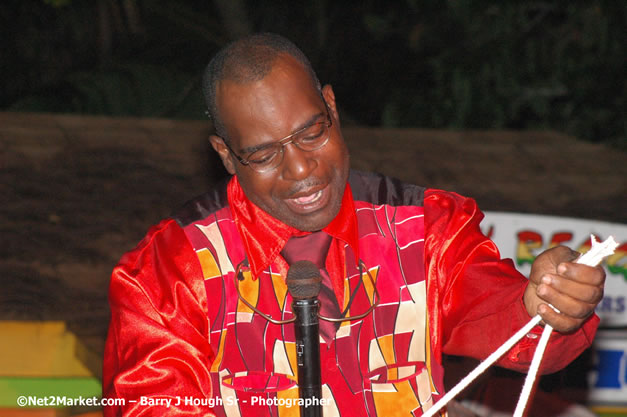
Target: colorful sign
<point>522,237</point>
<point>608,381</point>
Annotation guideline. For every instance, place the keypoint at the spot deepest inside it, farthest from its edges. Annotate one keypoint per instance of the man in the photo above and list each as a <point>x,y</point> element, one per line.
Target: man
<point>183,336</point>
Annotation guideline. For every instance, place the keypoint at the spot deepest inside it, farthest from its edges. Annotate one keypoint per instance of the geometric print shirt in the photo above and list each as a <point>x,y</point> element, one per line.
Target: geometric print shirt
<point>181,331</point>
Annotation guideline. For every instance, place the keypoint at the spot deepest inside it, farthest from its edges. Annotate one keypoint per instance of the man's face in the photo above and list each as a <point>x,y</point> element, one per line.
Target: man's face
<point>305,191</point>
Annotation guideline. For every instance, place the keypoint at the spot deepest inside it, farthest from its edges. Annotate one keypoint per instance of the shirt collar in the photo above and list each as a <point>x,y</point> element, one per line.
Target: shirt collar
<point>264,236</point>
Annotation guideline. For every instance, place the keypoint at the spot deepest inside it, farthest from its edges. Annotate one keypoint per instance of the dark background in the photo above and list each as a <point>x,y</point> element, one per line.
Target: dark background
<point>435,64</point>
<point>77,192</point>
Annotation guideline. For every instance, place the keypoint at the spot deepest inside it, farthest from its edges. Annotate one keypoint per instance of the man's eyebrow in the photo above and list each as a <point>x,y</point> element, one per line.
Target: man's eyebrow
<point>313,119</point>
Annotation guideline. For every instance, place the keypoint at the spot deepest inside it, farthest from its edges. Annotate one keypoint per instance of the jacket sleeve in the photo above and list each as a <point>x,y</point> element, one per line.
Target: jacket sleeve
<point>158,341</point>
<point>478,297</point>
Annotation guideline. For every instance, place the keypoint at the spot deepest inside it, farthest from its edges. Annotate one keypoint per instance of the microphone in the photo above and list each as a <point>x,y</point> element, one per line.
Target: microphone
<point>303,283</point>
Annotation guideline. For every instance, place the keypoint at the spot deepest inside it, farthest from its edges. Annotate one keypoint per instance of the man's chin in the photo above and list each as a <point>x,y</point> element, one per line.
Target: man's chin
<point>311,222</point>
<point>318,220</point>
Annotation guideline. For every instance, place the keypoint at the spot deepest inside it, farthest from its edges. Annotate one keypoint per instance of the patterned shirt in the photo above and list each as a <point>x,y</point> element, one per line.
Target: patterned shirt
<point>180,329</point>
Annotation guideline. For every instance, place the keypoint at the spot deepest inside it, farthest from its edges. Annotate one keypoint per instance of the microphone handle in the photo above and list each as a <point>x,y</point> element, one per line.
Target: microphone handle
<point>307,333</point>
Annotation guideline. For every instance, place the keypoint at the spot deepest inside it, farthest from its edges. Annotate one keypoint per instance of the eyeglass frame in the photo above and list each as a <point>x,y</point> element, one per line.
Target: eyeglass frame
<point>286,141</point>
<point>376,298</point>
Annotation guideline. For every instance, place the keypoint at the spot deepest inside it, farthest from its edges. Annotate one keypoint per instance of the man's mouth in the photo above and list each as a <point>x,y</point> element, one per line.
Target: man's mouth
<point>309,199</point>
<point>309,203</point>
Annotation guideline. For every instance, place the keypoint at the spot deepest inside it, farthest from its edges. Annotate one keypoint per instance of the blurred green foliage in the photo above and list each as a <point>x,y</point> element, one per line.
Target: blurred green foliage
<point>122,90</point>
<point>453,64</point>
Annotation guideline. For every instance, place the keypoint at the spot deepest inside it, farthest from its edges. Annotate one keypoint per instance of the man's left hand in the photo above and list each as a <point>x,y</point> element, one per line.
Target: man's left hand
<point>573,289</point>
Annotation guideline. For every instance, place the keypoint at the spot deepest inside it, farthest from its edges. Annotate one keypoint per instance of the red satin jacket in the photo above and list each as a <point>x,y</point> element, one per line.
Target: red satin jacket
<point>181,341</point>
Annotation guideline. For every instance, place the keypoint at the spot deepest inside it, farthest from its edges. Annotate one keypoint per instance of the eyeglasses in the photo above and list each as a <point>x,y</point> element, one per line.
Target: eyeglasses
<point>270,156</point>
<point>376,298</point>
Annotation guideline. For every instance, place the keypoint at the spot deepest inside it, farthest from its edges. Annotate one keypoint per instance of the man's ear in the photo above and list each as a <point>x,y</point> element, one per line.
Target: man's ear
<point>329,97</point>
<point>217,143</point>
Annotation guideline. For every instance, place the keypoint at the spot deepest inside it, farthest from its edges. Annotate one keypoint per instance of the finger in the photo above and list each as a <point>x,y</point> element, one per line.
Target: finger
<point>558,321</point>
<point>566,304</point>
<point>561,253</point>
<point>577,290</point>
<point>593,275</point>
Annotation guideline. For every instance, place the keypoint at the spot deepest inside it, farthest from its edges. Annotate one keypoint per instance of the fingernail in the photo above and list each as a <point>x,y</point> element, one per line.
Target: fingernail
<point>546,279</point>
<point>561,268</point>
<point>542,290</point>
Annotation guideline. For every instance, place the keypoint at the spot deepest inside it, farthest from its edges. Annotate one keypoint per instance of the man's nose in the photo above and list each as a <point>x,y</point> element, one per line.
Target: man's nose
<point>297,164</point>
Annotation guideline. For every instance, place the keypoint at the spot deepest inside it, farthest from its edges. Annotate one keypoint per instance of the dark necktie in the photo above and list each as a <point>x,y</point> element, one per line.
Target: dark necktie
<point>314,247</point>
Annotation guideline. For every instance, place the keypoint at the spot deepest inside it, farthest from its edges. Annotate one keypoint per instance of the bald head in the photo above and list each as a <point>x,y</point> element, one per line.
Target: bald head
<point>245,61</point>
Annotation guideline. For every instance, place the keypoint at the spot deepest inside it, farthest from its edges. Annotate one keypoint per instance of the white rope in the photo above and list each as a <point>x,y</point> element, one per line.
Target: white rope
<point>482,367</point>
<point>591,258</point>
<point>533,371</point>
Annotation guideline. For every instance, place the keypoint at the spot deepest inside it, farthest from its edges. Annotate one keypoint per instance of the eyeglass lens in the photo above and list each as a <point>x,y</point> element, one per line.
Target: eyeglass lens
<point>309,139</point>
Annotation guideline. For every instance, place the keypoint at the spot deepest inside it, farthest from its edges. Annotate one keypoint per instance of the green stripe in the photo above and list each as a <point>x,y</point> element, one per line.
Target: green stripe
<point>11,388</point>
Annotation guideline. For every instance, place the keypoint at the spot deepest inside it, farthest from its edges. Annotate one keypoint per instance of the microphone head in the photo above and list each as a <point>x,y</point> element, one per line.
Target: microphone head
<point>303,280</point>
